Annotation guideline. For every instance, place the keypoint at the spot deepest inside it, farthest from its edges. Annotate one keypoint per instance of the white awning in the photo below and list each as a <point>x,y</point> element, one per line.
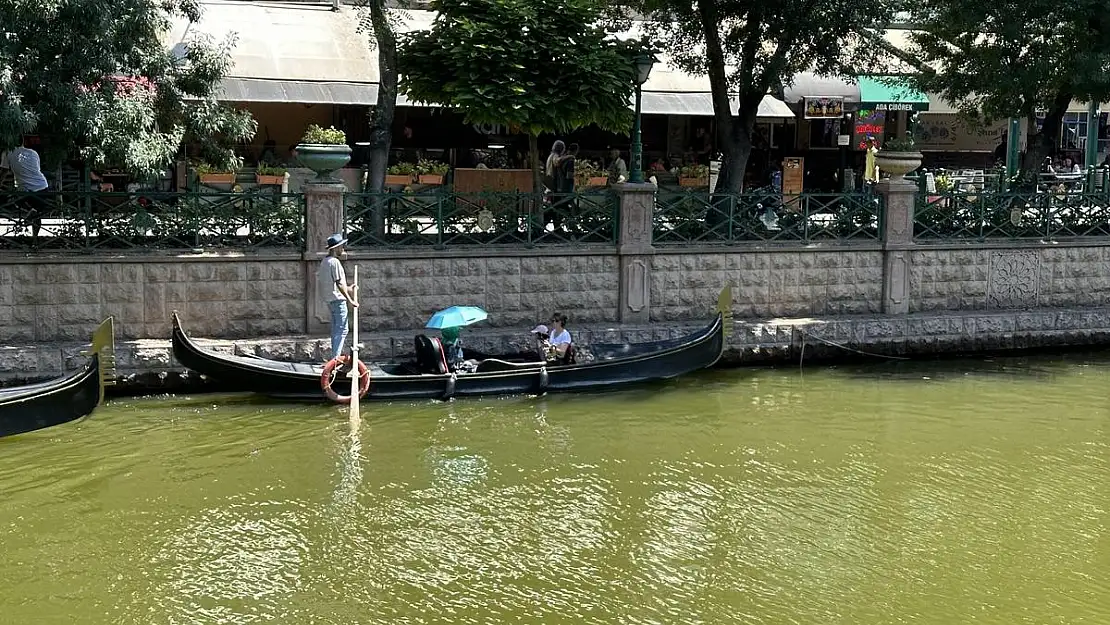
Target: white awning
<point>663,103</point>
<point>304,92</point>
<point>312,54</point>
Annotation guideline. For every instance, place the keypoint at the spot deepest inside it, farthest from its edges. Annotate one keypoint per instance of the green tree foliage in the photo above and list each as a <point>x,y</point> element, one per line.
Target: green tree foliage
<point>97,80</point>
<point>535,65</point>
<point>750,48</point>
<point>1007,58</point>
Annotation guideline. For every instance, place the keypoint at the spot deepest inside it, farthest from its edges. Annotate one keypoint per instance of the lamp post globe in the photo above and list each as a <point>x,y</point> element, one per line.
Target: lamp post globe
<point>643,63</point>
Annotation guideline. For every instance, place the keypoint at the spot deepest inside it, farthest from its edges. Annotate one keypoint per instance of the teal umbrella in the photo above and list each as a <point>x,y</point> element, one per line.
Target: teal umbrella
<point>456,317</point>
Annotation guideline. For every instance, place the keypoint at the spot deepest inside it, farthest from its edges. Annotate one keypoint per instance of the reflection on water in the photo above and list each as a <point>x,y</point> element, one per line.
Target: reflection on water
<point>936,493</point>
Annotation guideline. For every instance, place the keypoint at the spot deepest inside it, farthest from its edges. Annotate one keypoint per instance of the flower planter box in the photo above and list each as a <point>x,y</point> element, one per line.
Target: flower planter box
<point>398,179</point>
<point>597,181</point>
<point>274,180</point>
<point>431,179</point>
<point>217,178</point>
<point>323,158</point>
<point>693,182</point>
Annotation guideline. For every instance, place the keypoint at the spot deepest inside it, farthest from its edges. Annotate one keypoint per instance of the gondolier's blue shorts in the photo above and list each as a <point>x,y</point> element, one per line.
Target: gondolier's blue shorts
<point>338,326</point>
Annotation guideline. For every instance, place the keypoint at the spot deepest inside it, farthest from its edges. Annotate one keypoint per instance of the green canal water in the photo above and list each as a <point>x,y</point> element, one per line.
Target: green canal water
<point>942,493</point>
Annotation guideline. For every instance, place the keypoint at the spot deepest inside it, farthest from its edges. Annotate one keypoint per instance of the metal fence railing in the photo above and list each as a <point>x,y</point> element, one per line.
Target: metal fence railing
<point>683,218</point>
<point>446,219</point>
<point>92,220</point>
<point>980,216</point>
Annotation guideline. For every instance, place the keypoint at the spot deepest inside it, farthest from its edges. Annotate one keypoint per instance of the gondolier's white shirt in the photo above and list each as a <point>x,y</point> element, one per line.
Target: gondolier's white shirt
<point>330,272</point>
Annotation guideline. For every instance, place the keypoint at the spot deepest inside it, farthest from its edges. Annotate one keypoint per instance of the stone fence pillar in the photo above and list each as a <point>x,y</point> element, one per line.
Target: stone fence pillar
<point>897,236</point>
<point>634,248</point>
<point>325,215</point>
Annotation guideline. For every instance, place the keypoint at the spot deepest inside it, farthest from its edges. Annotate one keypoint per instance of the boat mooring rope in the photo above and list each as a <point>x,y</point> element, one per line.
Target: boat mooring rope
<point>802,355</point>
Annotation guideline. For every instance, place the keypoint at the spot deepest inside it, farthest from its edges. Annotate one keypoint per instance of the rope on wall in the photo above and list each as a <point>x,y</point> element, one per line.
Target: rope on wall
<point>819,339</point>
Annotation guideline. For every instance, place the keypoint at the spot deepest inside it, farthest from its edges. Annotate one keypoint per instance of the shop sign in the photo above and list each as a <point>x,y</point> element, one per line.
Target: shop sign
<point>894,106</point>
<point>824,107</point>
<point>869,123</point>
<point>950,132</point>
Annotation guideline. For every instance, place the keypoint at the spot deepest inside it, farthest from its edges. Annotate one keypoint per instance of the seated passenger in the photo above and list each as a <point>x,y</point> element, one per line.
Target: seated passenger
<point>542,338</point>
<point>453,351</point>
<point>561,349</point>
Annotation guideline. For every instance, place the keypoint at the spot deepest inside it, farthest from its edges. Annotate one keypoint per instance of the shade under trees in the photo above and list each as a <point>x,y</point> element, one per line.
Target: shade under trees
<point>750,48</point>
<point>1001,59</point>
<point>536,66</point>
<point>98,82</point>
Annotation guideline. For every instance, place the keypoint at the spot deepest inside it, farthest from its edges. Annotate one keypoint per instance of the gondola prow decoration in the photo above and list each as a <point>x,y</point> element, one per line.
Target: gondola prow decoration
<point>104,346</point>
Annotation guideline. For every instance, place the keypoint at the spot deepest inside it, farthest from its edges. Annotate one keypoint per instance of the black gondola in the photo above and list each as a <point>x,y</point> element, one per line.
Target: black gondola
<point>612,365</point>
<point>54,402</point>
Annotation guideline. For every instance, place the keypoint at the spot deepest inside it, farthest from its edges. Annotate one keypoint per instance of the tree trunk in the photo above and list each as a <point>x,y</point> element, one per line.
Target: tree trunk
<point>733,138</point>
<point>1042,144</point>
<point>381,118</point>
<point>535,223</point>
<point>537,167</point>
<point>737,149</point>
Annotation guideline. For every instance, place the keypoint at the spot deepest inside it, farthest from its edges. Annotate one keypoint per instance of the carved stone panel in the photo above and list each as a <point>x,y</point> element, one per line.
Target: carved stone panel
<point>898,279</point>
<point>1013,279</point>
<point>636,209</point>
<point>635,289</point>
<point>635,276</point>
<point>325,213</point>
<point>896,276</point>
<point>899,206</point>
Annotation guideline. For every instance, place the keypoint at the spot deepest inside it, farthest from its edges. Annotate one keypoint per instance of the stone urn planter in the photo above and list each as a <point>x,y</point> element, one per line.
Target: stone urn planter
<point>897,164</point>
<point>324,159</point>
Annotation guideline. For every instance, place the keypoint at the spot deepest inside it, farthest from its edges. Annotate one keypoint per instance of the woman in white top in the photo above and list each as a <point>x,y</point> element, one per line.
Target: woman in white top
<point>560,337</point>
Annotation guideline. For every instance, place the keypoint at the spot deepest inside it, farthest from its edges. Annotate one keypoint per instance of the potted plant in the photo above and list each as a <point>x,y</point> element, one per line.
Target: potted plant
<point>213,174</point>
<point>898,157</point>
<point>324,151</point>
<point>400,174</point>
<point>266,174</point>
<point>431,172</point>
<point>588,174</point>
<point>693,176</point>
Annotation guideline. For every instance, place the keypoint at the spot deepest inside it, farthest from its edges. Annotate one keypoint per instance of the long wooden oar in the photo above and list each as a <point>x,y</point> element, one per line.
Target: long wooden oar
<point>355,381</point>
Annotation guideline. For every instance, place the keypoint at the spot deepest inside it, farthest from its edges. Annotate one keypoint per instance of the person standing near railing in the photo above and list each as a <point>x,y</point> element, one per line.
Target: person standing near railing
<point>29,179</point>
<point>870,168</point>
<point>618,169</point>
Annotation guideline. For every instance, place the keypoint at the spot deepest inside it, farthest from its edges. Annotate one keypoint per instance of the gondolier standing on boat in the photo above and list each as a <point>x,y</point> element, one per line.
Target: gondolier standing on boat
<point>332,286</point>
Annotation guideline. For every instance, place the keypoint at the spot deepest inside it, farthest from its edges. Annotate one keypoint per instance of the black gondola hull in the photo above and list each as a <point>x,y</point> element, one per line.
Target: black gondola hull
<point>615,366</point>
<point>46,404</point>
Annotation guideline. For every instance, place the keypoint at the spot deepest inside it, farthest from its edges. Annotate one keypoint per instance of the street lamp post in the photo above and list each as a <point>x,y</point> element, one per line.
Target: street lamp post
<point>643,64</point>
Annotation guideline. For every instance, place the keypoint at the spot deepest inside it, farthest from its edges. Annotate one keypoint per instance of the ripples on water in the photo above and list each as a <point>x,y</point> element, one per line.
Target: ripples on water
<point>900,493</point>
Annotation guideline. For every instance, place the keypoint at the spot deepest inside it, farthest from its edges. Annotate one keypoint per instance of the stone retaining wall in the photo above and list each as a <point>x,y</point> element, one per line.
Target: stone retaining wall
<point>48,299</point>
<point>768,283</point>
<point>1020,275</point>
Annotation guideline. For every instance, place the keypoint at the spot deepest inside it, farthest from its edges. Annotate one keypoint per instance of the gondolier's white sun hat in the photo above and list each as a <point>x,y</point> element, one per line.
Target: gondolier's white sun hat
<point>540,329</point>
<point>336,240</point>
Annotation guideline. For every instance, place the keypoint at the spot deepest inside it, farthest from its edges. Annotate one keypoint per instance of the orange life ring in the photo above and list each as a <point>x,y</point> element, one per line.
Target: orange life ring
<point>325,380</point>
